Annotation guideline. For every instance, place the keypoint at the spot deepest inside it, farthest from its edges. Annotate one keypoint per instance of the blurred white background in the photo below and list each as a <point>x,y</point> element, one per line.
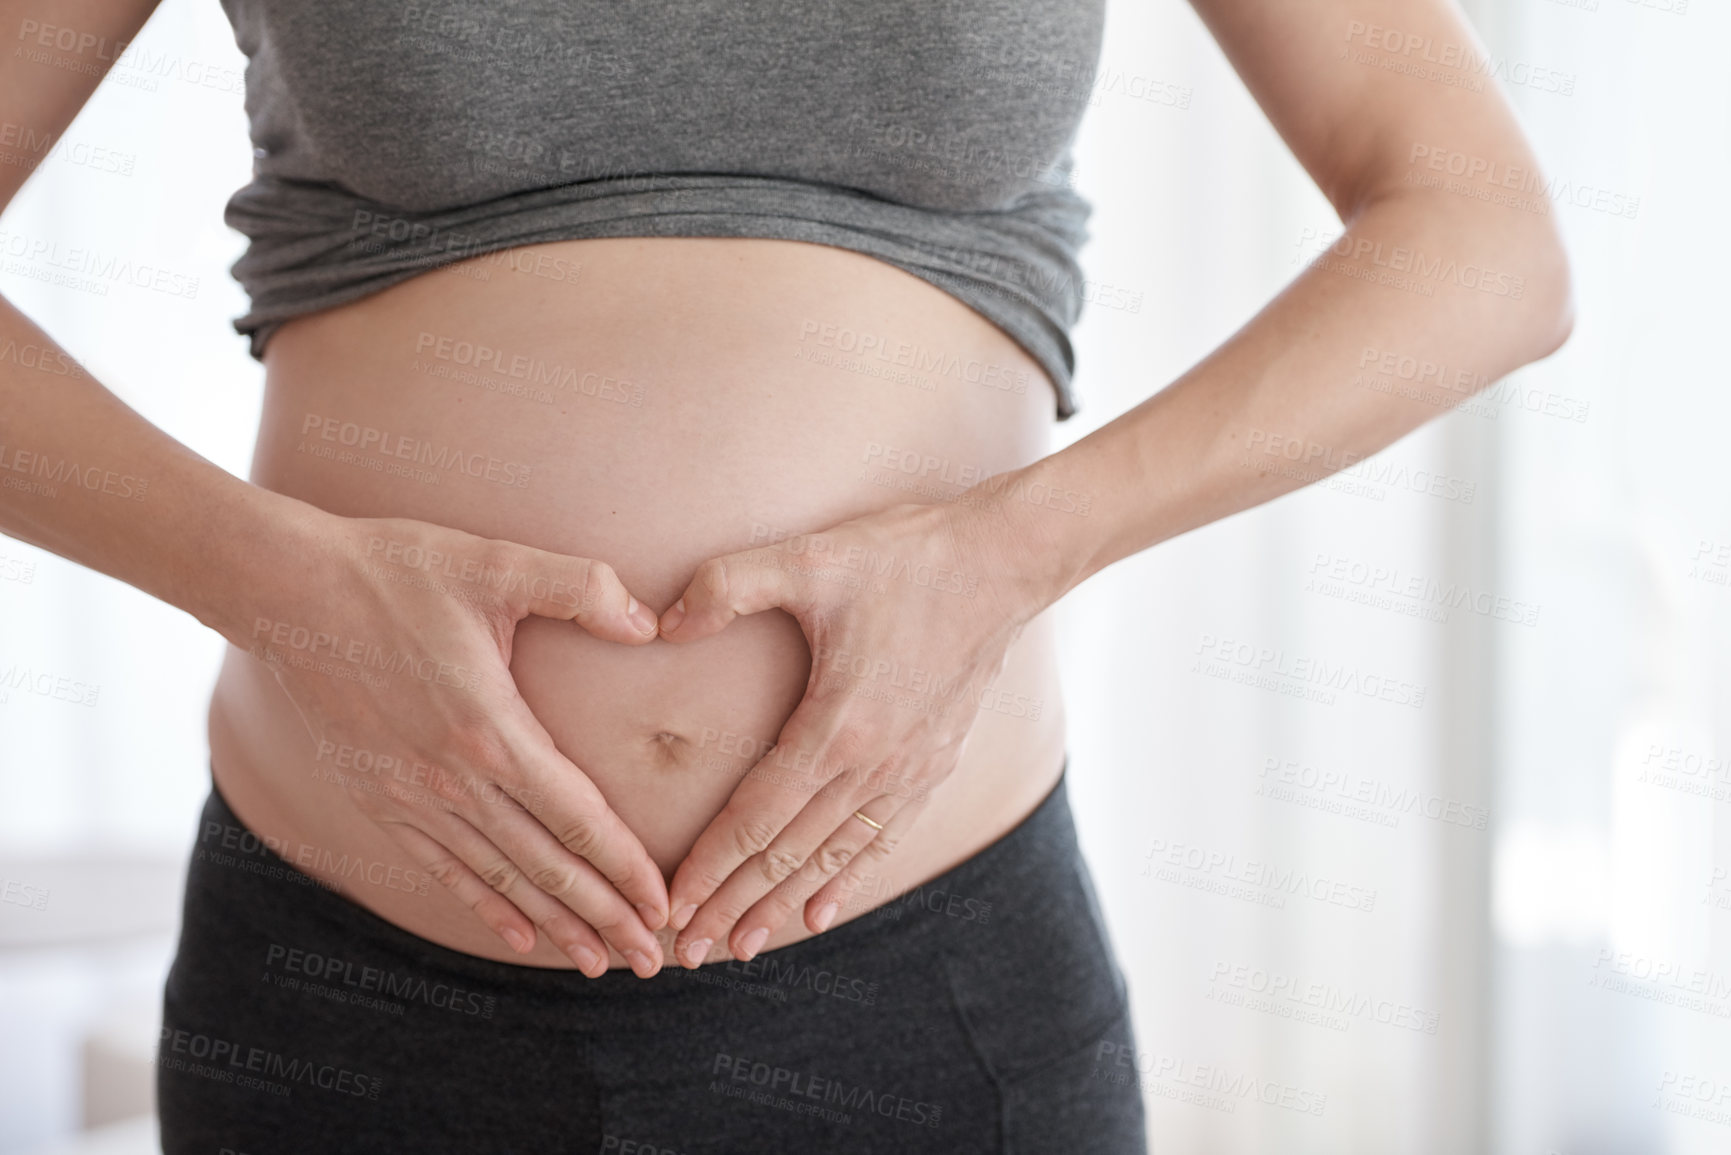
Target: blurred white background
<point>1533,954</point>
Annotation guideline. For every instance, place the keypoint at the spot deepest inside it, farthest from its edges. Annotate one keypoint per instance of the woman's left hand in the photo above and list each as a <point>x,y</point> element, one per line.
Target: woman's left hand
<point>909,613</point>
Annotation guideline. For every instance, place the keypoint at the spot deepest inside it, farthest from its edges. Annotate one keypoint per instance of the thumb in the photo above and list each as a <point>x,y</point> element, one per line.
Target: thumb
<point>580,590</point>
<point>726,587</point>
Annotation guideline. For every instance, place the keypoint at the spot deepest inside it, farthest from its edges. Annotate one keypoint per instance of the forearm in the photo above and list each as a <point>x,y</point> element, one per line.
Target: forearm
<point>1284,402</point>
<point>84,476</point>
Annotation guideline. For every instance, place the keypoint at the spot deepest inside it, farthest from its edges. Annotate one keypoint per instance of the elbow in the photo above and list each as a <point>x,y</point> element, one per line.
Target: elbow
<point>1550,317</point>
<point>1528,312</point>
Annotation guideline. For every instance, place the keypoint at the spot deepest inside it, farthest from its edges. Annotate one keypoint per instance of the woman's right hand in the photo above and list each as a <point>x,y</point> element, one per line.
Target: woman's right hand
<point>395,636</point>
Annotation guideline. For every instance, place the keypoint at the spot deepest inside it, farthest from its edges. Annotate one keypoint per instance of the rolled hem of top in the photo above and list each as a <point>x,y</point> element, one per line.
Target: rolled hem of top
<point>259,325</point>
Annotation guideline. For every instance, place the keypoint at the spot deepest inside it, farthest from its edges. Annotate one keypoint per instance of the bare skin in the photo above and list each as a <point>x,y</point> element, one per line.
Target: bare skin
<point>697,414</point>
<point>602,781</point>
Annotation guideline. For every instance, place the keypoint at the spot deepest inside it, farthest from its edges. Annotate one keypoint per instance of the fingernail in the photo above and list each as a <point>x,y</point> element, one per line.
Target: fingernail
<point>641,617</point>
<point>697,951</point>
<point>652,918</point>
<point>586,959</point>
<point>682,917</point>
<point>825,915</point>
<point>640,963</point>
<point>674,615</point>
<point>753,942</point>
<point>519,940</point>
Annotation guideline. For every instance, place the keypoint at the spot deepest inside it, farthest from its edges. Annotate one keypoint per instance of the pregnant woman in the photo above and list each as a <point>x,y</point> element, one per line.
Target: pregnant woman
<point>641,729</point>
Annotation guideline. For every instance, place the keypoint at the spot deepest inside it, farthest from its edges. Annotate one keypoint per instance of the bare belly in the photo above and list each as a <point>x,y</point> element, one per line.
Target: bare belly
<point>650,403</point>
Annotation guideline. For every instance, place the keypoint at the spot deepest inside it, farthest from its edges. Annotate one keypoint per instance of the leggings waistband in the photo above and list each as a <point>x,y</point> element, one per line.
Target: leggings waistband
<point>261,887</point>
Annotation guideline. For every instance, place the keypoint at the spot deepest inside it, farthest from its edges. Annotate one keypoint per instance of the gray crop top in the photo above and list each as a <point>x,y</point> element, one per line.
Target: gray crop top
<point>932,134</point>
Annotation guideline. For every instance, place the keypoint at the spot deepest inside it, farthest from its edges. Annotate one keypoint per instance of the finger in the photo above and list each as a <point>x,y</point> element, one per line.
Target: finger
<point>553,860</point>
<point>493,908</point>
<point>726,587</point>
<point>575,937</point>
<point>856,884</point>
<point>788,853</point>
<point>516,850</point>
<point>771,795</point>
<point>563,799</point>
<point>577,589</point>
<point>748,916</point>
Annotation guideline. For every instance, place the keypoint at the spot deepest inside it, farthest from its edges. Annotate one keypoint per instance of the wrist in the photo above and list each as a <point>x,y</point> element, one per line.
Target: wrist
<point>1036,529</point>
<point>260,544</point>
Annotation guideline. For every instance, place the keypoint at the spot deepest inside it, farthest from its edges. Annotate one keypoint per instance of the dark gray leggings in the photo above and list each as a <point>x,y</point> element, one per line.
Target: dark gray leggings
<point>981,1012</point>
